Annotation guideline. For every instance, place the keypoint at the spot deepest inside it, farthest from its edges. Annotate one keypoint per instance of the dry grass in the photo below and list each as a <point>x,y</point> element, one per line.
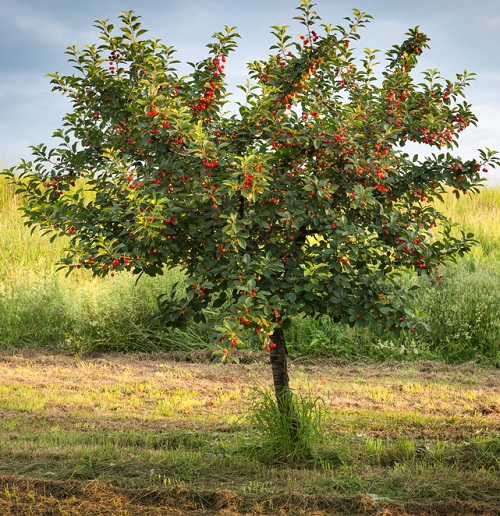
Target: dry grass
<point>99,499</point>
<point>154,390</point>
<point>478,214</point>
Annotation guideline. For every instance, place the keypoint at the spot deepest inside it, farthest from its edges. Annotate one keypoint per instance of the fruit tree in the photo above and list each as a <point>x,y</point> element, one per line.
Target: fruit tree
<point>300,199</point>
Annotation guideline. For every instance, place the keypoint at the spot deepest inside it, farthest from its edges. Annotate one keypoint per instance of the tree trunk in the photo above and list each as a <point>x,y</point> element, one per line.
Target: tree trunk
<point>278,362</point>
<point>281,380</point>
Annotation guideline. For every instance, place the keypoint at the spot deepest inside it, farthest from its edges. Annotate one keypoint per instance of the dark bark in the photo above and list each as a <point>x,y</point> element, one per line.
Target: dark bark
<point>278,355</point>
<point>241,208</point>
<point>278,362</point>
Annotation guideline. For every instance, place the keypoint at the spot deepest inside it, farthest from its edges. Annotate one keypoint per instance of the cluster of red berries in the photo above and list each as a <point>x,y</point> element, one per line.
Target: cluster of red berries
<point>152,112</point>
<point>218,65</point>
<point>419,194</point>
<point>382,188</point>
<point>209,164</point>
<point>253,294</point>
<point>200,292</point>
<point>248,182</point>
<point>113,59</point>
<point>170,221</point>
<point>313,37</point>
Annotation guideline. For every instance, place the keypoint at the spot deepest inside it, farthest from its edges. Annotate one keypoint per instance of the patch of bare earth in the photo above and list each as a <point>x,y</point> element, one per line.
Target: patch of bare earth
<point>20,496</point>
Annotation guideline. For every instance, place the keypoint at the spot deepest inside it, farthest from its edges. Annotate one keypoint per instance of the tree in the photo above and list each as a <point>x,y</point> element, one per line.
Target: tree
<point>300,201</point>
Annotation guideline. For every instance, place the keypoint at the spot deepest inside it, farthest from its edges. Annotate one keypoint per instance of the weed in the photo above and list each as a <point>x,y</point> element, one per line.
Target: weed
<point>84,468</point>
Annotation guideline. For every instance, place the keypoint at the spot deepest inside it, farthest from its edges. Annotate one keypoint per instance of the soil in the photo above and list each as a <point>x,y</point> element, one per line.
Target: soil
<point>21,496</point>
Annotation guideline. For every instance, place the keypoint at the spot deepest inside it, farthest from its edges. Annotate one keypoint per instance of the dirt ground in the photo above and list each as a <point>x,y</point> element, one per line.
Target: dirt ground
<point>462,391</point>
<point>21,496</point>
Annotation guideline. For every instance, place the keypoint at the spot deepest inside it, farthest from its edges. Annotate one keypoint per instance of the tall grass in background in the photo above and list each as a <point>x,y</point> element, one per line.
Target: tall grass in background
<point>478,214</point>
<point>40,307</point>
<point>464,314</point>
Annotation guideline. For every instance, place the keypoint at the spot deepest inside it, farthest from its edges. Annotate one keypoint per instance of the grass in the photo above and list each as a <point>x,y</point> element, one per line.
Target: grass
<point>286,435</point>
<point>394,435</point>
<point>478,214</point>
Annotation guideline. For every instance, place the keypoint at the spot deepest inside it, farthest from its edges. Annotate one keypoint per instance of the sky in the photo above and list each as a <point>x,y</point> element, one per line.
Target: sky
<point>464,34</point>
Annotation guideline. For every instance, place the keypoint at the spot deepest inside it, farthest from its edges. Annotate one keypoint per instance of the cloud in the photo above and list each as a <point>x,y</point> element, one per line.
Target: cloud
<point>35,24</point>
<point>36,33</point>
<point>493,22</point>
<point>16,85</point>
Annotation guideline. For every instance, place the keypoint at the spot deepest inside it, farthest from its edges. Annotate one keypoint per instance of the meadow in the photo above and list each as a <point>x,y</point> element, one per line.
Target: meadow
<point>104,411</point>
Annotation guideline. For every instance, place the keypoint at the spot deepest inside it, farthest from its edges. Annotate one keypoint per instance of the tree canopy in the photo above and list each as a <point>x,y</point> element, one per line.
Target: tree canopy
<point>300,199</point>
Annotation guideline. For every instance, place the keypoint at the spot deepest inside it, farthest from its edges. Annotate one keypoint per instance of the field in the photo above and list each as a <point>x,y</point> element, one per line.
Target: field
<point>92,424</point>
<point>149,434</point>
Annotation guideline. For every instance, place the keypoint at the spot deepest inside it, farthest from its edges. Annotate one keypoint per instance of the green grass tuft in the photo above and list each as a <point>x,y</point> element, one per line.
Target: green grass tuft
<point>289,436</point>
